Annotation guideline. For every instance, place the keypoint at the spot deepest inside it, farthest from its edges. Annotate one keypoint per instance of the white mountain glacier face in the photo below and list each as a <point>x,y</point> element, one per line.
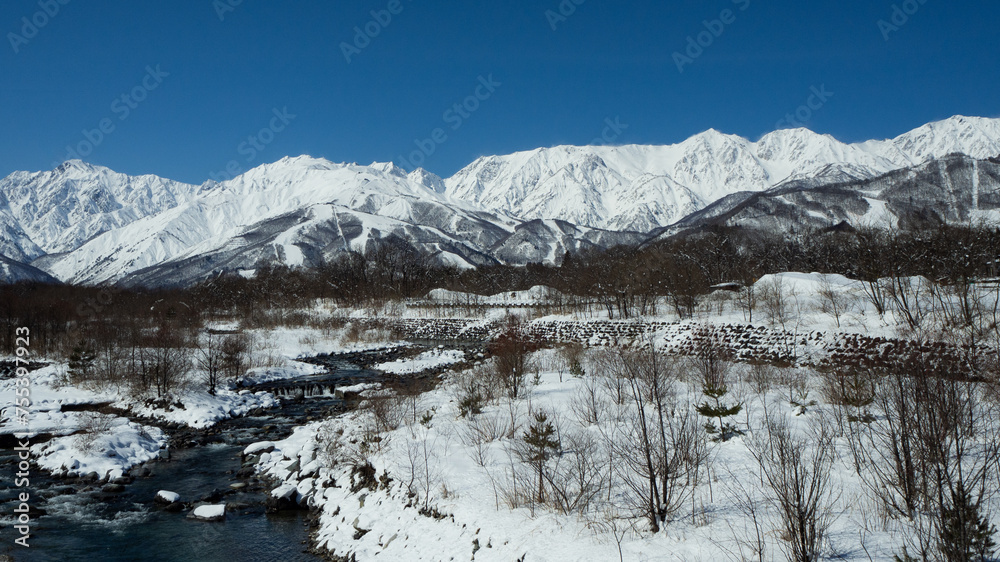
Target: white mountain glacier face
<point>642,187</point>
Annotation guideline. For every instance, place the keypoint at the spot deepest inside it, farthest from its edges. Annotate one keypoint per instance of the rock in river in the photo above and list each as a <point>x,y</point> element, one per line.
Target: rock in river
<point>209,512</point>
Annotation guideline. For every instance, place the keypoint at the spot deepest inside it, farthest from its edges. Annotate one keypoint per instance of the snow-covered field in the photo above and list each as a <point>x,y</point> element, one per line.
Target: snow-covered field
<point>445,481</point>
<point>451,493</point>
<point>450,480</point>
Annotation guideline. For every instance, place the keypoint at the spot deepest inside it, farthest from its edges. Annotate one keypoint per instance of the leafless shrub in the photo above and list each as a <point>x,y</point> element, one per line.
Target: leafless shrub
<point>835,301</point>
<point>222,358</point>
<point>577,475</point>
<point>379,414</point>
<point>93,425</point>
<point>164,365</point>
<point>907,296</point>
<point>234,357</point>
<point>658,448</point>
<point>511,363</point>
<point>477,436</point>
<point>423,464</point>
<point>797,471</point>
<point>352,334</point>
<point>776,298</point>
<point>761,377</point>
<point>262,351</point>
<point>751,537</point>
<point>333,447</point>
<point>889,452</point>
<point>491,427</point>
<point>587,403</point>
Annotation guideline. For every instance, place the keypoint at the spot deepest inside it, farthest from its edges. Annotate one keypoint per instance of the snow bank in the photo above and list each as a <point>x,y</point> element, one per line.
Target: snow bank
<point>539,294</point>
<point>268,374</point>
<point>48,395</point>
<point>200,409</point>
<point>427,360</point>
<point>109,453</point>
<point>263,446</point>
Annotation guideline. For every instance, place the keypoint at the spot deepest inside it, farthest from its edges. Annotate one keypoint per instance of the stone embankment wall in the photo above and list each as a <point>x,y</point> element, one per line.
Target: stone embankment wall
<point>742,341</point>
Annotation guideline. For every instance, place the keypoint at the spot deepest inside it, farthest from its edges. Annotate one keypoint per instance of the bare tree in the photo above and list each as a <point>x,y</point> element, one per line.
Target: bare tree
<point>657,448</point>
<point>208,358</point>
<point>423,463</point>
<point>907,296</point>
<point>872,243</point>
<point>797,471</point>
<point>932,456</point>
<point>166,362</point>
<point>578,474</point>
<point>835,301</point>
<point>588,402</point>
<point>888,448</point>
<point>753,509</point>
<point>511,352</point>
<point>234,357</point>
<point>776,300</point>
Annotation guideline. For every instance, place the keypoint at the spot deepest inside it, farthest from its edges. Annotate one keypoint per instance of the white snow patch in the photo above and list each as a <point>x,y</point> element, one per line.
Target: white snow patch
<point>426,360</point>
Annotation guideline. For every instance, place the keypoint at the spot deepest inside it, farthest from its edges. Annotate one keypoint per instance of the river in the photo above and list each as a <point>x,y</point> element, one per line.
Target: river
<point>83,522</point>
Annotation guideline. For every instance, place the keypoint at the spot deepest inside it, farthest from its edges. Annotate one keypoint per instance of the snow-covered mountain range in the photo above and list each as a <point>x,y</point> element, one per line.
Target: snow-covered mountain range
<point>87,224</point>
<point>641,187</point>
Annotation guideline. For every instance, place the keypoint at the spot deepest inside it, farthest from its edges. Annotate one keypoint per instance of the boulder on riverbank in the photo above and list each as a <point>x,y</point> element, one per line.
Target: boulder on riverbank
<point>282,498</point>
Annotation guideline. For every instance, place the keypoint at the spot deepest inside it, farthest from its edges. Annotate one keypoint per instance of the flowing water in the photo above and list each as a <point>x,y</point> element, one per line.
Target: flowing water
<point>90,525</point>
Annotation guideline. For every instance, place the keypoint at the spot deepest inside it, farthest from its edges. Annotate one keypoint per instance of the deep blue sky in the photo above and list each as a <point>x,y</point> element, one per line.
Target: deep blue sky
<point>609,59</point>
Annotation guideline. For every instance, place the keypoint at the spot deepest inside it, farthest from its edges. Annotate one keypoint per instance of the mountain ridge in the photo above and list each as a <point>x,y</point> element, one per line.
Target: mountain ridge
<point>693,173</point>
<point>83,223</point>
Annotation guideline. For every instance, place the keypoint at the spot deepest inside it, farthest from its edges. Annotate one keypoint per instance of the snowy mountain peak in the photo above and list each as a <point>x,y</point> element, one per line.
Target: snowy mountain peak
<point>83,222</point>
<point>978,137</point>
<point>428,179</point>
<point>388,168</point>
<point>61,208</point>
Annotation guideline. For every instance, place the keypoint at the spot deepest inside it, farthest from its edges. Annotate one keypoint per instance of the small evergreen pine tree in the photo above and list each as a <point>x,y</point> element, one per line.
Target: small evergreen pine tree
<point>81,363</point>
<point>966,535</point>
<point>716,390</point>
<point>542,444</point>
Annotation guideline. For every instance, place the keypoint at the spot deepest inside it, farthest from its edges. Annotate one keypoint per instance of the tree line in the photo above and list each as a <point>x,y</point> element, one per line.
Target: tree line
<point>624,282</point>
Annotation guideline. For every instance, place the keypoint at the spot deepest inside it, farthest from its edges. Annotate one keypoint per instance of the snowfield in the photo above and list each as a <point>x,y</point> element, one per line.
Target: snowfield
<point>475,513</point>
<point>467,512</point>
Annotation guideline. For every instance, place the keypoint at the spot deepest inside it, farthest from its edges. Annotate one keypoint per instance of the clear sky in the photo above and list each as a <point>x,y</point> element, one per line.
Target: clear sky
<point>185,88</point>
